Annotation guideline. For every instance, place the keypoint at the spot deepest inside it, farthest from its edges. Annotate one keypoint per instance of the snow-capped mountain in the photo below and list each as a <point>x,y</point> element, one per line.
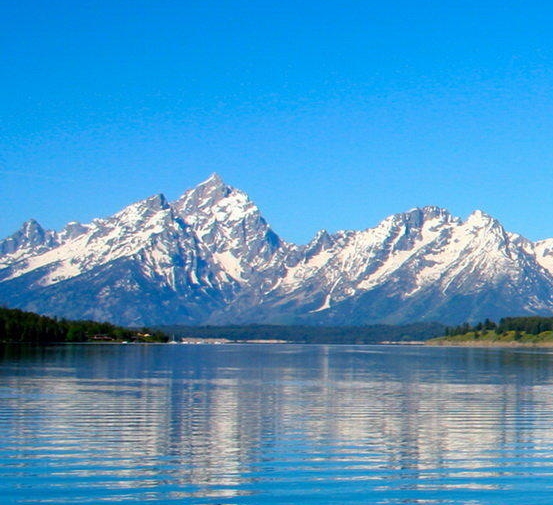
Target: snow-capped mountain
<point>210,257</point>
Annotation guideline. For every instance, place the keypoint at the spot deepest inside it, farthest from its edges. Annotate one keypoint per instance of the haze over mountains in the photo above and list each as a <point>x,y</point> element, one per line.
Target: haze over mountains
<point>211,258</point>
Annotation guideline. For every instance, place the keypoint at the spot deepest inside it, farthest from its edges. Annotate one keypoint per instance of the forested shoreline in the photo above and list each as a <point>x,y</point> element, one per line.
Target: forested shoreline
<point>533,330</point>
<point>20,327</point>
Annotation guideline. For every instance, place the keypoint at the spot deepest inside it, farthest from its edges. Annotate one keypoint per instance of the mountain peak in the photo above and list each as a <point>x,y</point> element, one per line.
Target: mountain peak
<point>158,202</point>
<point>73,230</point>
<point>30,235</point>
<point>480,219</point>
<point>208,195</point>
<point>151,204</point>
<point>416,218</point>
<point>213,187</point>
<point>432,211</point>
<point>480,214</point>
<point>213,180</point>
<point>31,226</point>
<point>427,212</point>
<point>320,242</point>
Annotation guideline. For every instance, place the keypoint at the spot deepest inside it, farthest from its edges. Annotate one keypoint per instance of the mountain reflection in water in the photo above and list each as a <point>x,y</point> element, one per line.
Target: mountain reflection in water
<point>276,424</point>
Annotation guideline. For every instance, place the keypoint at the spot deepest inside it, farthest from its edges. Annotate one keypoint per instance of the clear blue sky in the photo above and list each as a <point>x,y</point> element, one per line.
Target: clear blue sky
<point>328,114</point>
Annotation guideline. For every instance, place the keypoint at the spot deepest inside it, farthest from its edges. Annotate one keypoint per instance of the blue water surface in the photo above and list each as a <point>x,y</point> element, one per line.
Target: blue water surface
<point>275,424</point>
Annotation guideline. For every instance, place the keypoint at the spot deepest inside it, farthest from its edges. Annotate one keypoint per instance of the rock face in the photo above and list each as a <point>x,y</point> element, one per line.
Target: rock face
<point>211,258</point>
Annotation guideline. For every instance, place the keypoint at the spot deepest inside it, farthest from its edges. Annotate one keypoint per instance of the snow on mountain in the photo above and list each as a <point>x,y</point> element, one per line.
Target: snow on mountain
<point>210,257</point>
<point>230,229</point>
<point>102,241</point>
<point>426,254</point>
<point>350,262</point>
<point>544,254</point>
<point>29,240</point>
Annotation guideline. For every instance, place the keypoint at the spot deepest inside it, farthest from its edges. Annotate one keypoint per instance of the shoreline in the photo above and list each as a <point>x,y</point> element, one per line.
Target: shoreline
<point>484,343</point>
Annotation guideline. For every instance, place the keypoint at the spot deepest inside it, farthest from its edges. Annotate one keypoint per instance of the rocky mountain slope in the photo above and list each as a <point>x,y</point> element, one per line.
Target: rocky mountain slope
<point>211,258</point>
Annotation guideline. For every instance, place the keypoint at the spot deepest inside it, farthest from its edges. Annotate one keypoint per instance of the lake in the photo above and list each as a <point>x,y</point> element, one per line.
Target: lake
<point>275,424</point>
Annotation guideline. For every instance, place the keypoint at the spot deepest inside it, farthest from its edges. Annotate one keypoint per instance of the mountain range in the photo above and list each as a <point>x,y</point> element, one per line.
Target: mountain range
<point>211,258</point>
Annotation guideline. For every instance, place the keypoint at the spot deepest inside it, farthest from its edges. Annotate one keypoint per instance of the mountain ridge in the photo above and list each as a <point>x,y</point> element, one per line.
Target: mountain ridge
<point>210,257</point>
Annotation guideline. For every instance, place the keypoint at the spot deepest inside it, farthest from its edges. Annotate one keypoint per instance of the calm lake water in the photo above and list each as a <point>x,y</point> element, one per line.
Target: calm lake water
<point>276,424</point>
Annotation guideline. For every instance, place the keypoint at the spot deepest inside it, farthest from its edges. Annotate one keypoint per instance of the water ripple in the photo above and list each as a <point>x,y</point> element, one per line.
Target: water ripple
<point>232,425</point>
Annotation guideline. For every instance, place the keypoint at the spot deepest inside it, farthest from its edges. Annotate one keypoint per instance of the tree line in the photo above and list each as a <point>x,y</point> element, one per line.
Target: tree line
<point>532,325</point>
<point>17,326</point>
<point>310,334</point>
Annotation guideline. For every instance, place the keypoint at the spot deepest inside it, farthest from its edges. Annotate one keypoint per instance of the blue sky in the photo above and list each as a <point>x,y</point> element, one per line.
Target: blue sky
<point>328,114</point>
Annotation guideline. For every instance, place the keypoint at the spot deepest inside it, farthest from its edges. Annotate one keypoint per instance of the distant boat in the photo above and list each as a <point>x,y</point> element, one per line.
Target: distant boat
<point>172,341</point>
